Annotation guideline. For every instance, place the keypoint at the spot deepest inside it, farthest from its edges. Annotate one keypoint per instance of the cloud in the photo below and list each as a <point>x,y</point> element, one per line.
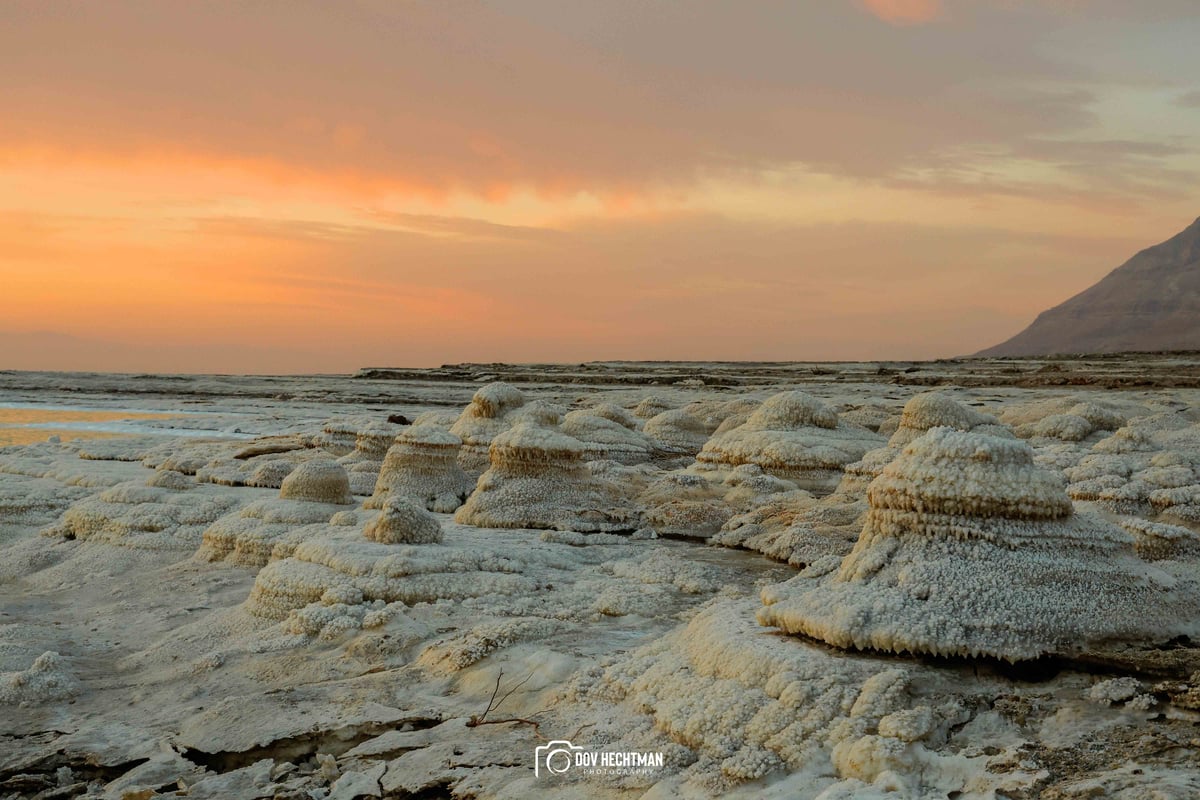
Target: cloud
<point>258,296</point>
<point>1189,99</point>
<point>616,99</point>
<point>905,12</point>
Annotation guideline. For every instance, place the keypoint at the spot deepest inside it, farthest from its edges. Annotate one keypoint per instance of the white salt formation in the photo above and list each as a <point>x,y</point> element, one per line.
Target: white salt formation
<point>1076,424</point>
<point>696,504</point>
<point>370,447</point>
<point>487,415</point>
<point>1068,419</point>
<point>793,436</point>
<point>871,416</point>
<point>749,705</point>
<point>797,528</point>
<point>310,498</point>
<point>402,521</point>
<point>677,431</point>
<point>608,433</point>
<point>340,436</point>
<point>921,413</point>
<point>538,479</point>
<point>929,410</point>
<point>1149,468</point>
<point>47,679</point>
<point>163,512</point>
<point>422,463</point>
<point>651,406</point>
<point>189,456</point>
<point>263,463</point>
<point>970,549</point>
<point>318,482</point>
<point>369,571</point>
<point>1157,541</point>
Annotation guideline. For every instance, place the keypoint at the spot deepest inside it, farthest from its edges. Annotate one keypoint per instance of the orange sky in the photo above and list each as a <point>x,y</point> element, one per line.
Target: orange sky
<point>317,187</point>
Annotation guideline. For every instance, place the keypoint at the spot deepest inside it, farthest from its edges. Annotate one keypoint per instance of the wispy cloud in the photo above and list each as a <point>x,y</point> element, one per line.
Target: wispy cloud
<point>905,12</point>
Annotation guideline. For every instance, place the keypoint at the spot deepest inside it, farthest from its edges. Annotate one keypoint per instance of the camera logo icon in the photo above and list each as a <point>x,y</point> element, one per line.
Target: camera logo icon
<point>554,757</point>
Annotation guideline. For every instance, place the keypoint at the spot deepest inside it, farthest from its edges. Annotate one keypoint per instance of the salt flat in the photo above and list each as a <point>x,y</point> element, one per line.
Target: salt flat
<point>788,580</point>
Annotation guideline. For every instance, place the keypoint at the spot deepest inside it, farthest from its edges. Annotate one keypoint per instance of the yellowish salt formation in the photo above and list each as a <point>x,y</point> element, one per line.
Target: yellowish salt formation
<point>487,415</point>
<point>794,436</point>
<point>422,463</point>
<point>971,549</point>
<point>538,479</point>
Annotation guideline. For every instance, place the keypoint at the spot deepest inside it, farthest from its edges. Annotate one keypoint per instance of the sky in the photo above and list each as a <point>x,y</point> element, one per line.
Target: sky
<point>303,187</point>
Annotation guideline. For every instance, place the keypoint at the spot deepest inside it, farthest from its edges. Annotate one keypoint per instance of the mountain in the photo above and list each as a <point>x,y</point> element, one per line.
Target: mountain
<point>1149,303</point>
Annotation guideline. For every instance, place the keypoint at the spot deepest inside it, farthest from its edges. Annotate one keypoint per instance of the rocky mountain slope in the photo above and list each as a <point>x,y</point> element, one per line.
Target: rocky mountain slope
<point>1149,303</point>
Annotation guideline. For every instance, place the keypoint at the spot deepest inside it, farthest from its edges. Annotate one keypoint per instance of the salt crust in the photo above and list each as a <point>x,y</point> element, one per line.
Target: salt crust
<point>47,680</point>
<point>1150,467</point>
<point>265,529</point>
<point>684,431</point>
<point>969,549</point>
<point>339,436</point>
<point>751,705</point>
<point>161,513</point>
<point>797,528</point>
<point>651,406</point>
<point>386,572</point>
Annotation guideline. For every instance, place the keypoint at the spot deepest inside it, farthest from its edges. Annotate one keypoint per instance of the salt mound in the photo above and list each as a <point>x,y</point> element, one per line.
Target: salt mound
<point>422,463</point>
<point>170,479</point>
<point>696,503</point>
<point>970,549</point>
<point>797,528</point>
<point>538,479</point>
<point>608,433</point>
<point>1068,419</point>
<point>677,431</point>
<point>1156,541</point>
<point>318,482</point>
<point>921,413</point>
<point>871,416</point>
<point>751,705</point>
<point>929,410</point>
<point>339,436</point>
<point>482,420</point>
<point>370,447</point>
<point>403,522</point>
<point>166,512</point>
<point>46,680</point>
<point>793,436</point>
<point>263,463</point>
<point>438,418</point>
<point>715,413</point>
<point>380,572</point>
<point>189,456</point>
<point>651,406</point>
<point>1076,424</point>
<point>1131,473</point>
<point>312,497</point>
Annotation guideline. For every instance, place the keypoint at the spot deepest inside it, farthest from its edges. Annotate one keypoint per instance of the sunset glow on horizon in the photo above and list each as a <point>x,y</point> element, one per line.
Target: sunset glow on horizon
<point>315,187</point>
